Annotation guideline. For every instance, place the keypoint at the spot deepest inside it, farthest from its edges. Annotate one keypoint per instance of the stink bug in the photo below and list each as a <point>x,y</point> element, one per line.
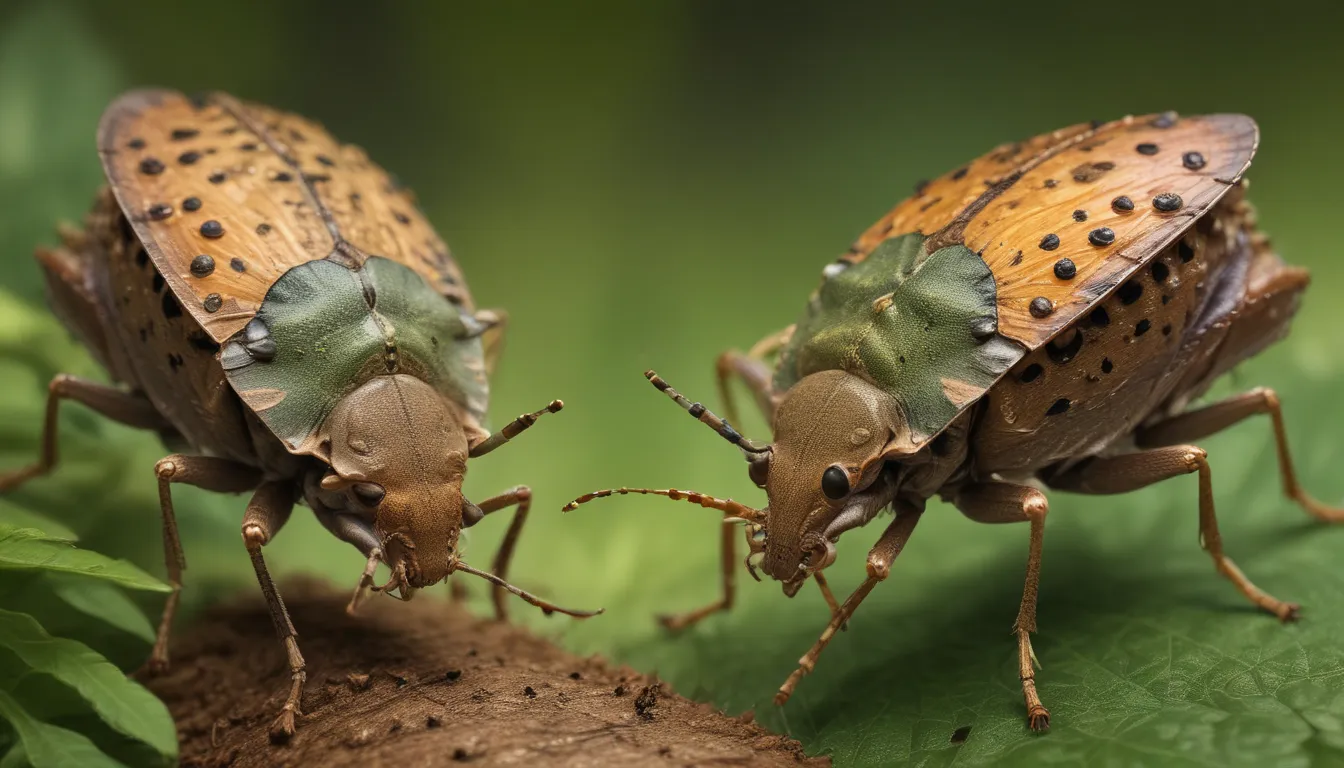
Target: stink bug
<point>1043,316</point>
<point>277,308</point>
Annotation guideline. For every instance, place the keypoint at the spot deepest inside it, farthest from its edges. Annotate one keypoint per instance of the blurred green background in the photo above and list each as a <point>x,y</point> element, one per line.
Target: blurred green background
<point>646,184</point>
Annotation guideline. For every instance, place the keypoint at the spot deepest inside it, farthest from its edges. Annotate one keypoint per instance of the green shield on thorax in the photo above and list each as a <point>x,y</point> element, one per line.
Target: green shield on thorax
<point>920,326</point>
<point>325,329</point>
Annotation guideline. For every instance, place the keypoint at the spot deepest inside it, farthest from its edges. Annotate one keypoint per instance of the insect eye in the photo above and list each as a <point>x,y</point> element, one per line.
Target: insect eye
<point>758,470</point>
<point>835,483</point>
<point>369,494</point>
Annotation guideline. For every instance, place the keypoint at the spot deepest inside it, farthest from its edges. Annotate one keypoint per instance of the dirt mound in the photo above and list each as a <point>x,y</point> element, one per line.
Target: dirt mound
<point>427,683</point>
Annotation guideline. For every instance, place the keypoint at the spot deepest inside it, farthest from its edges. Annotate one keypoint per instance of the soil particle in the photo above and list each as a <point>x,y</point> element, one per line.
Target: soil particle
<point>399,695</point>
<point>647,700</point>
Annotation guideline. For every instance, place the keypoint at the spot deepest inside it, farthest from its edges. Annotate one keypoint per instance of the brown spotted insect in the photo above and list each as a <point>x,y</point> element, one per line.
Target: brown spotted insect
<point>1041,317</point>
<point>277,308</point>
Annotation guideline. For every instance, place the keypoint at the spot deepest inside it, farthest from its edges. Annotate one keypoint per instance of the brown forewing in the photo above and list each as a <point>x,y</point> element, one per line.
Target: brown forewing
<point>1070,195</point>
<point>279,188</point>
<point>937,202</point>
<point>370,208</point>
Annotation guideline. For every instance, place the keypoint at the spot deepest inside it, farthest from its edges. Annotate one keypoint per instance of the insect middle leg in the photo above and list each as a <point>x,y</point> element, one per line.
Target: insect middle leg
<point>1007,503</point>
<point>212,474</point>
<point>880,558</point>
<point>267,512</point>
<point>1223,414</point>
<point>752,369</point>
<point>728,533</point>
<point>124,407</point>
<point>1121,474</point>
<point>522,497</point>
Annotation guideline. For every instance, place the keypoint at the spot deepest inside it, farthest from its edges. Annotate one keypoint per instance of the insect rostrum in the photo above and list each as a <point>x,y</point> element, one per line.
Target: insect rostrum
<point>338,361</point>
<point>981,340</point>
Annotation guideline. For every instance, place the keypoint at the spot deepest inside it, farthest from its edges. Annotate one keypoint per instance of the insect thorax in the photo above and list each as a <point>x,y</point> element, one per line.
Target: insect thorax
<point>324,329</point>
<point>920,326</point>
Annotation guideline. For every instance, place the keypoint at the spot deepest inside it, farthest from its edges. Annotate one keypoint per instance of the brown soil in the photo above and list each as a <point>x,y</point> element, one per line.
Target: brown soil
<point>426,683</point>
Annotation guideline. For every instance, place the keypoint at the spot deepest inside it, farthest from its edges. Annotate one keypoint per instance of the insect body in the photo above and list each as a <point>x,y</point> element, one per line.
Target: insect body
<point>1040,317</point>
<point>278,309</point>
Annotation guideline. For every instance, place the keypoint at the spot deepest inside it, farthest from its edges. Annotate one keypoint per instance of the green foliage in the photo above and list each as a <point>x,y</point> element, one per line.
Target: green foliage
<point>102,601</point>
<point>42,744</point>
<point>649,188</point>
<point>120,702</point>
<point>31,549</point>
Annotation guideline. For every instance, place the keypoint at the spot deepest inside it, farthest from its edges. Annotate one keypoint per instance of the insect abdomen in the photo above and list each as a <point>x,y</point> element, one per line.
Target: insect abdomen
<point>1154,340</point>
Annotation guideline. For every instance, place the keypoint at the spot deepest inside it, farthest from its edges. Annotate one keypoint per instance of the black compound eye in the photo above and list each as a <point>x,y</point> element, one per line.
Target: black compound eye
<point>835,483</point>
<point>369,494</point>
<point>758,470</point>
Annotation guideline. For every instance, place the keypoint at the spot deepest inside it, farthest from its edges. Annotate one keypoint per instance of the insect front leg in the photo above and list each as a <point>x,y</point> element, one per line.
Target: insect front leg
<point>266,514</point>
<point>212,474</point>
<point>728,533</point>
<point>752,369</point>
<point>1006,503</point>
<point>1221,415</point>
<point>880,558</point>
<point>522,497</point>
<point>131,410</point>
<point>1121,474</point>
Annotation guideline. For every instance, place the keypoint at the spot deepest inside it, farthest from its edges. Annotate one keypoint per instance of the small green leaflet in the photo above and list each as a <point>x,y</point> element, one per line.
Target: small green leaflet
<point>102,601</point>
<point>48,746</point>
<point>31,548</point>
<point>122,703</point>
<point>18,517</point>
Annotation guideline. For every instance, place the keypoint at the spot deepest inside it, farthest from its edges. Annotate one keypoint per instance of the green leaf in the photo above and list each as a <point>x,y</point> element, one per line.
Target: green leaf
<point>122,703</point>
<point>102,601</point>
<point>33,549</point>
<point>48,746</point>
<point>15,516</point>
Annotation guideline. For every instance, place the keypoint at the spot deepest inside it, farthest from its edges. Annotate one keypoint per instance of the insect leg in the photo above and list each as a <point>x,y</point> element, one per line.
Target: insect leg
<point>728,533</point>
<point>880,557</point>
<point>496,322</point>
<point>266,513</point>
<point>512,429</point>
<point>1006,503</point>
<point>522,497</point>
<point>1121,474</point>
<point>1205,421</point>
<point>212,474</point>
<point>753,371</point>
<point>123,407</point>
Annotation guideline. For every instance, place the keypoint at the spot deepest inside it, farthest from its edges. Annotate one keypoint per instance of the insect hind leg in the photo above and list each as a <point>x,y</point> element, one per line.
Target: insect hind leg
<point>1214,418</point>
<point>111,402</point>
<point>1130,472</point>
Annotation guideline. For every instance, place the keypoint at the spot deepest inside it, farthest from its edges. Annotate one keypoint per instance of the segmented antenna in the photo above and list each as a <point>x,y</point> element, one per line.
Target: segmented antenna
<point>513,428</point>
<point>707,417</point>
<point>733,510</point>
<point>546,607</point>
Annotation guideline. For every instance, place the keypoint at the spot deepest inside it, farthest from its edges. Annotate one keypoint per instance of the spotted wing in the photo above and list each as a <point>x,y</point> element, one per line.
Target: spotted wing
<point>937,202</point>
<point>228,197</point>
<point>371,209</point>
<point>1082,218</point>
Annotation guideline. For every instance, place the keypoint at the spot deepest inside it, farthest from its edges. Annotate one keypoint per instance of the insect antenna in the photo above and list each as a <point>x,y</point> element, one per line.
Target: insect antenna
<point>546,607</point>
<point>750,448</point>
<point>513,428</point>
<point>733,511</point>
